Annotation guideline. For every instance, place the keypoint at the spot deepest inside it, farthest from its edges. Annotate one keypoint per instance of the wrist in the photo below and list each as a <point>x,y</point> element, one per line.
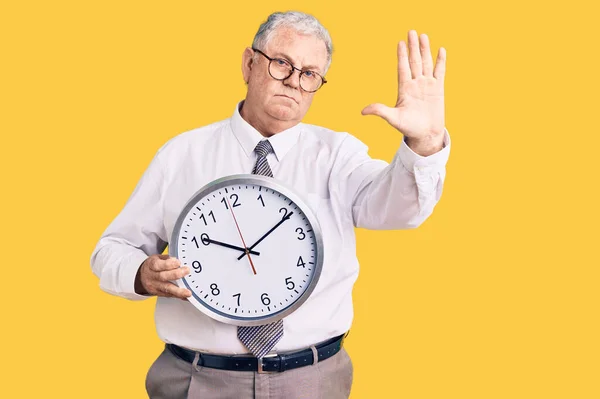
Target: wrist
<point>138,286</point>
<point>427,145</point>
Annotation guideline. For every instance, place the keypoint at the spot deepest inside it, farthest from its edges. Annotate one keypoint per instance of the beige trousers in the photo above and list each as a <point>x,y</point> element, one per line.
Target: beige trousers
<point>170,377</point>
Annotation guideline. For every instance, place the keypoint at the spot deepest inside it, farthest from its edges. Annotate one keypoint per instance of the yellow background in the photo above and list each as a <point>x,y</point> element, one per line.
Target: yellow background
<point>495,296</point>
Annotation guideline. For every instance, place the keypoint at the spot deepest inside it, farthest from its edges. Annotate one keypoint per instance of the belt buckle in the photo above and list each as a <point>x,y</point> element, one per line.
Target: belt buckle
<point>260,364</point>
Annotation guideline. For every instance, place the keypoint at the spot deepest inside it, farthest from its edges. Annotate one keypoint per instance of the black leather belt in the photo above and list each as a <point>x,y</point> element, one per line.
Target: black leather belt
<point>270,363</point>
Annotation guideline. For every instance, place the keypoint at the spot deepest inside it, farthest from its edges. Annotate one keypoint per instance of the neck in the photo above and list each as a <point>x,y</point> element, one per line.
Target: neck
<point>262,122</point>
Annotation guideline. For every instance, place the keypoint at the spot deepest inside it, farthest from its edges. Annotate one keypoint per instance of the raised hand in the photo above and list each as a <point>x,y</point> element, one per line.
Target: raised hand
<point>419,109</point>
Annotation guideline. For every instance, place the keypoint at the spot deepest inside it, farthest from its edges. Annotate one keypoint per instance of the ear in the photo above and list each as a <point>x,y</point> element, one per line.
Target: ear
<point>247,57</point>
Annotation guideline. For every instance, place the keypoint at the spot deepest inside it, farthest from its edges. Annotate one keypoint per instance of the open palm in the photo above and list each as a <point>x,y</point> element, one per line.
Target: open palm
<point>419,109</point>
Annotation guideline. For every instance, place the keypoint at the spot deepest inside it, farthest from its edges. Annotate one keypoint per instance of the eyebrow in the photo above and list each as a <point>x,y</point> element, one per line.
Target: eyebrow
<point>305,67</point>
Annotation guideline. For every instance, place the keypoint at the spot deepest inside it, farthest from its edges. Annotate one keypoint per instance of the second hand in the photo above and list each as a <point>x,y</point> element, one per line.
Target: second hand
<point>242,237</point>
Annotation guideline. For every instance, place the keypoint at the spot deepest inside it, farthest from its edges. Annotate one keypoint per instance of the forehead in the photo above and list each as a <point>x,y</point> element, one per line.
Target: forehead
<point>302,50</point>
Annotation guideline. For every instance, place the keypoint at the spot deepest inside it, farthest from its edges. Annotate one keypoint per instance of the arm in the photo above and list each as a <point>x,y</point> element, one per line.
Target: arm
<point>398,195</point>
<point>404,193</point>
<point>135,234</point>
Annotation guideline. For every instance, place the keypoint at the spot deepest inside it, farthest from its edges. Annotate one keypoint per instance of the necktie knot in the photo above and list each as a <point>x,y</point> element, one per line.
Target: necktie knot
<point>263,148</point>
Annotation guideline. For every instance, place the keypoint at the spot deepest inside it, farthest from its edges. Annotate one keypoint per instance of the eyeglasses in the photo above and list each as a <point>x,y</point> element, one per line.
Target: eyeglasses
<point>279,69</point>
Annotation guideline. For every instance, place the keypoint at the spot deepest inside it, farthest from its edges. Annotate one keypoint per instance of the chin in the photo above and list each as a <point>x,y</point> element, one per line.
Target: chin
<point>283,112</point>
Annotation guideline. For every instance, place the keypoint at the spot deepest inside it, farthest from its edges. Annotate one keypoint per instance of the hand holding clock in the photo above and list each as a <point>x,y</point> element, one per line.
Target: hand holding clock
<point>155,275</point>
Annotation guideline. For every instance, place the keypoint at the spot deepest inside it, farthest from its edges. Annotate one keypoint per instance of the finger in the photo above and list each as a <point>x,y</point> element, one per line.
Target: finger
<point>172,290</point>
<point>380,110</point>
<point>165,264</point>
<point>440,64</point>
<point>175,274</point>
<point>403,65</point>
<point>151,261</point>
<point>425,49</point>
<point>414,57</point>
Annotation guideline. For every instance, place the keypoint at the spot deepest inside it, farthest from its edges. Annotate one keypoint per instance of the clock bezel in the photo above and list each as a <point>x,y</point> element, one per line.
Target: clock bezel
<point>270,183</point>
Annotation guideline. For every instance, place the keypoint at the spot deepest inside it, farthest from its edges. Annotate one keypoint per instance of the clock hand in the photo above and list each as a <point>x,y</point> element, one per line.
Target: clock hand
<point>247,250</point>
<point>207,240</point>
<point>267,233</point>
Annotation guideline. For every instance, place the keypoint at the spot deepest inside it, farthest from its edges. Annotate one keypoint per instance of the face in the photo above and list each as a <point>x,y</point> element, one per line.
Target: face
<point>273,104</point>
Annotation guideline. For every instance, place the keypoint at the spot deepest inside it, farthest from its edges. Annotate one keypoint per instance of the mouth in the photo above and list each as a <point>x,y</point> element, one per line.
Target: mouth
<point>291,98</point>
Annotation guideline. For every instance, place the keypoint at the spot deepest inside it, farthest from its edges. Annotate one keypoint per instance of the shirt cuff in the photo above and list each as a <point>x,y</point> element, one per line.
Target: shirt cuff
<point>125,282</point>
<point>414,162</point>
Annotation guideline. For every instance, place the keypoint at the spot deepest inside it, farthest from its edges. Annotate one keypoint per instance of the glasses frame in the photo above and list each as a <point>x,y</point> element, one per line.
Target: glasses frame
<point>291,72</point>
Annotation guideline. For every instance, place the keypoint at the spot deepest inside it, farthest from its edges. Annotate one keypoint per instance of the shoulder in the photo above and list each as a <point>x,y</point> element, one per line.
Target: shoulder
<point>194,138</point>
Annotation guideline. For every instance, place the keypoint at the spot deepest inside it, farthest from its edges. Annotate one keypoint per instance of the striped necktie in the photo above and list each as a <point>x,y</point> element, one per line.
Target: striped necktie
<point>262,167</point>
<point>261,339</point>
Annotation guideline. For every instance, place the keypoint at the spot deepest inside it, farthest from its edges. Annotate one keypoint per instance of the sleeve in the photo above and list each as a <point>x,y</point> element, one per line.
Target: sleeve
<point>383,196</point>
<point>137,232</point>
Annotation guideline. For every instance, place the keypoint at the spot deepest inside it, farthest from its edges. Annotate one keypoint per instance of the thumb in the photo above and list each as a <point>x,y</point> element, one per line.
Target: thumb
<point>380,110</point>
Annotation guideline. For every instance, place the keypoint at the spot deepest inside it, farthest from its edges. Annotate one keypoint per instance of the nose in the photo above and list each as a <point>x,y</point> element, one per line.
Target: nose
<point>293,80</point>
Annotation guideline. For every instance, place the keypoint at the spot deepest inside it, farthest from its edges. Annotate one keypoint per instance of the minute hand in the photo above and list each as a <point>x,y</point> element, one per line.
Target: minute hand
<point>267,233</point>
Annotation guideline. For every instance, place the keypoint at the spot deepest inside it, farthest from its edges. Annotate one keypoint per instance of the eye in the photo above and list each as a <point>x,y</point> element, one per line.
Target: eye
<point>280,62</point>
<point>310,74</point>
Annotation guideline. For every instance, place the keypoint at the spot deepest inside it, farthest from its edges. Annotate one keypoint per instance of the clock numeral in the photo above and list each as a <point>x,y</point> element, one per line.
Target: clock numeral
<point>211,214</point>
<point>301,235</point>
<point>204,238</point>
<point>285,212</point>
<point>289,283</point>
<point>238,296</point>
<point>301,263</point>
<point>234,198</point>
<point>214,289</point>
<point>261,199</point>
<point>265,299</point>
<point>197,266</point>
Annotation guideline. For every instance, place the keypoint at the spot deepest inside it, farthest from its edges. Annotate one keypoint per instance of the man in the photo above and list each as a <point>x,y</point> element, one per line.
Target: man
<point>283,70</point>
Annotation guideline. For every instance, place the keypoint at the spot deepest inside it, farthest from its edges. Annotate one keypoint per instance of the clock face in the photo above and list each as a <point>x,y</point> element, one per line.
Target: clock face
<point>253,248</point>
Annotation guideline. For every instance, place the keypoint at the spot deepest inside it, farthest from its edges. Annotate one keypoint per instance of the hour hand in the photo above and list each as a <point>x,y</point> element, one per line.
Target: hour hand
<point>206,240</point>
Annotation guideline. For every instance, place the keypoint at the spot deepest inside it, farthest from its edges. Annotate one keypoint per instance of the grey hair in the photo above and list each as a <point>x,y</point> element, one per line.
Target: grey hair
<point>298,21</point>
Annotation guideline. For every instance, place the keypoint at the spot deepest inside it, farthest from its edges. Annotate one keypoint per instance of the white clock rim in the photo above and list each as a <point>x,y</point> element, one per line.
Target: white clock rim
<point>267,182</point>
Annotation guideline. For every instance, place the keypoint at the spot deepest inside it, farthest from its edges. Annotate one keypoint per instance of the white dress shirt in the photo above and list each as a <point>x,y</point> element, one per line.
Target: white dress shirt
<point>331,171</point>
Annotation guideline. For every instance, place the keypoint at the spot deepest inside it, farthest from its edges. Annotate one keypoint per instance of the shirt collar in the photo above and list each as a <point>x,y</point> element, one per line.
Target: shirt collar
<point>249,137</point>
